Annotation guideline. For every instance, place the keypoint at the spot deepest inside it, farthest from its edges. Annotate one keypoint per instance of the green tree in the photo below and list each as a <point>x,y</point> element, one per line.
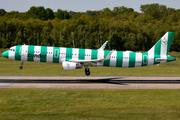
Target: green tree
<point>2,12</point>
<point>156,11</point>
<point>47,37</point>
<point>107,11</point>
<point>62,14</point>
<point>122,9</point>
<point>49,14</point>
<point>37,12</point>
<point>41,13</point>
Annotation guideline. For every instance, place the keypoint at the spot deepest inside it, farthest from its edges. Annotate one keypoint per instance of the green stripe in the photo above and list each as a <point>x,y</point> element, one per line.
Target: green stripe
<point>119,60</point>
<point>30,53</point>
<point>18,52</point>
<point>81,54</point>
<point>94,54</point>
<point>8,54</point>
<point>43,54</point>
<point>68,54</point>
<point>144,59</point>
<point>170,58</point>
<point>132,59</point>
<point>157,51</point>
<point>106,62</point>
<point>170,38</point>
<point>56,51</point>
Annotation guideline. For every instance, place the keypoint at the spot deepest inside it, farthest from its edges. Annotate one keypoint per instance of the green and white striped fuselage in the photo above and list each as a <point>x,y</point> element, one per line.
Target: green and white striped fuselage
<point>61,54</point>
<point>75,58</point>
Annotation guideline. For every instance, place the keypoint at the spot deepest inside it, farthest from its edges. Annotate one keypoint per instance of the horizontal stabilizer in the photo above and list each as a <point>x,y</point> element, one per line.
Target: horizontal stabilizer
<point>162,59</point>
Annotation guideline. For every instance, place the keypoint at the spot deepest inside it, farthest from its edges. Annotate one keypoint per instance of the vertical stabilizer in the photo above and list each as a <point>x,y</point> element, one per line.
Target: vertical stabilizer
<point>162,47</point>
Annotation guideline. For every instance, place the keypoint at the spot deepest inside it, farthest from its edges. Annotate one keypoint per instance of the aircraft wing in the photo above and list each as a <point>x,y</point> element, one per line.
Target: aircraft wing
<point>103,46</point>
<point>92,62</point>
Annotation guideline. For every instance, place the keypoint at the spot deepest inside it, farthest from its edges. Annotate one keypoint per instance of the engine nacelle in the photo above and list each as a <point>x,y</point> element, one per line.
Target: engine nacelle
<point>71,66</point>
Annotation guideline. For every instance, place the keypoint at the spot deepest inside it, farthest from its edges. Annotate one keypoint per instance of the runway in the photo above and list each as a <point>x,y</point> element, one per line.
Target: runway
<point>92,82</point>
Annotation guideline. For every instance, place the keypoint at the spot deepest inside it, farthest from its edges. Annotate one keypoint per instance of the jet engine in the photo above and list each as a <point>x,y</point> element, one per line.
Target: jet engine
<point>71,65</point>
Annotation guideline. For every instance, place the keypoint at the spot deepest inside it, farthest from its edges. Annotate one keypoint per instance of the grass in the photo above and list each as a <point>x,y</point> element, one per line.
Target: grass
<point>35,104</point>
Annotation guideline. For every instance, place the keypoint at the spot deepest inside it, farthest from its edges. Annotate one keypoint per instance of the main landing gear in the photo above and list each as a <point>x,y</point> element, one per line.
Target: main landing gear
<point>21,67</point>
<point>87,71</point>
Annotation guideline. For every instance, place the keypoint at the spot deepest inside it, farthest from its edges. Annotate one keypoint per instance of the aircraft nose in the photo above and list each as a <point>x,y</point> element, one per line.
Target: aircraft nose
<point>5,54</point>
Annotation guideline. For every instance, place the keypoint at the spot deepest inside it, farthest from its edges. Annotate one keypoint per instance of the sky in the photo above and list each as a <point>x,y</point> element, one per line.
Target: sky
<point>81,5</point>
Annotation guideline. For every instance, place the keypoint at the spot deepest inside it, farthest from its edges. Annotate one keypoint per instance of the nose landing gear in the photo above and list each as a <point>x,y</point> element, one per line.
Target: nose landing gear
<point>21,67</point>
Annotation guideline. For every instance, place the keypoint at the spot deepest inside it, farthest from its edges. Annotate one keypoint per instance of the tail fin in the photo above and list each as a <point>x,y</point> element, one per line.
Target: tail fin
<point>163,45</point>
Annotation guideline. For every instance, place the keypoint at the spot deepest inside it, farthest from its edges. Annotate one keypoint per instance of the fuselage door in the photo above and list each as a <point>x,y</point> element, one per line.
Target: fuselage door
<point>145,59</point>
<point>56,53</point>
<point>21,51</point>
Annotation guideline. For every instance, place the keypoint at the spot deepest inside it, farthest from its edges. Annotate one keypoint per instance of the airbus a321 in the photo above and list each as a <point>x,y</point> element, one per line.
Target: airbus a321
<point>76,58</point>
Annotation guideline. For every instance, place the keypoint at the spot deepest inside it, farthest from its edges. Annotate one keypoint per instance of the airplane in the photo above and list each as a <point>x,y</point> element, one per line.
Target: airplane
<point>76,58</point>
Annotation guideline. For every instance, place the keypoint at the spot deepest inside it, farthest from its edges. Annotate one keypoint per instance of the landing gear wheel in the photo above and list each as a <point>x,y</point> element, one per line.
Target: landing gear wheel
<point>21,67</point>
<point>87,71</point>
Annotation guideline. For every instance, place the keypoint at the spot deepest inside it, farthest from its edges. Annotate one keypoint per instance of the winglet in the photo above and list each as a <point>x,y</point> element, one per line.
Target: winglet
<point>103,46</point>
<point>109,55</point>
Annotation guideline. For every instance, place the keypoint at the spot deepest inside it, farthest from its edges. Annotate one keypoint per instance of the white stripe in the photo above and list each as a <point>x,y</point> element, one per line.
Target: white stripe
<point>88,54</point>
<point>49,58</point>
<point>125,59</point>
<point>75,52</point>
<point>37,50</point>
<point>113,59</point>
<point>164,41</point>
<point>25,52</point>
<point>151,56</point>
<point>100,56</point>
<point>138,60</point>
<point>11,54</point>
<point>164,44</point>
<point>62,54</point>
<point>163,57</point>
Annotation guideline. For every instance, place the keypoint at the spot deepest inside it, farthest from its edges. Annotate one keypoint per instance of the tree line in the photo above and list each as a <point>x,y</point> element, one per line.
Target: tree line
<point>125,28</point>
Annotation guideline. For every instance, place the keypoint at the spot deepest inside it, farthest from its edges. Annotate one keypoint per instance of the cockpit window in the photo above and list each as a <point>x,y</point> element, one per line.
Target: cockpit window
<point>11,49</point>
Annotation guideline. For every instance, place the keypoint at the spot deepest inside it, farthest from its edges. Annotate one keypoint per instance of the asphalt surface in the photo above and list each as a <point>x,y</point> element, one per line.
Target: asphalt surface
<point>90,82</point>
